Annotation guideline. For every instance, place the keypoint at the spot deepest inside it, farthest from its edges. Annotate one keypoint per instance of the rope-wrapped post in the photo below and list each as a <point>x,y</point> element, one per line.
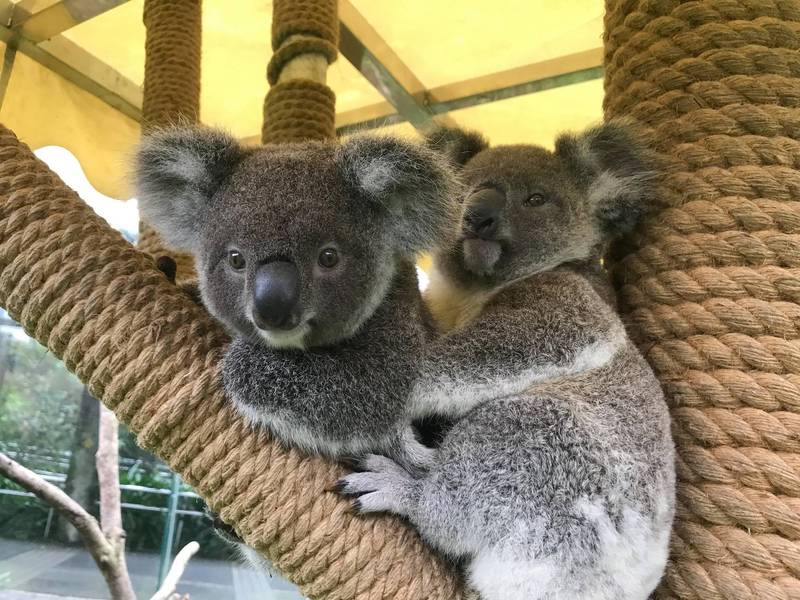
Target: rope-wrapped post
<point>151,355</point>
<point>299,106</point>
<point>171,92</point>
<point>712,284</point>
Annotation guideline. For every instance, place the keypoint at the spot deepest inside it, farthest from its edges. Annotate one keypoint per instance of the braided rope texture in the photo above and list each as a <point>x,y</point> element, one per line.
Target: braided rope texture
<point>711,286</point>
<point>151,355</point>
<point>171,89</point>
<point>300,109</point>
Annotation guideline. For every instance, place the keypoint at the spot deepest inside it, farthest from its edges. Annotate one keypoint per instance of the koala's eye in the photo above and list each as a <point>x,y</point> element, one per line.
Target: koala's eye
<point>328,258</point>
<point>536,199</point>
<point>236,260</point>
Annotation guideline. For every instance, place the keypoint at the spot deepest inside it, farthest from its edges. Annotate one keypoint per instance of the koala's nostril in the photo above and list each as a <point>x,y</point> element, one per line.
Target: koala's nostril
<point>482,222</point>
<point>486,227</point>
<point>483,211</point>
<point>276,291</point>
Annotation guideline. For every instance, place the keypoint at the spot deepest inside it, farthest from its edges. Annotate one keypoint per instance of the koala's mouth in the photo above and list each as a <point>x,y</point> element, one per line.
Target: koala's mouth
<point>480,255</point>
<point>294,338</point>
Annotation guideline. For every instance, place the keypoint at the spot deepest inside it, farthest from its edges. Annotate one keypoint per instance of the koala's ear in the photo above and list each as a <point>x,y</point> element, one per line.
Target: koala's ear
<point>176,172</point>
<point>614,163</point>
<point>458,145</point>
<point>414,187</point>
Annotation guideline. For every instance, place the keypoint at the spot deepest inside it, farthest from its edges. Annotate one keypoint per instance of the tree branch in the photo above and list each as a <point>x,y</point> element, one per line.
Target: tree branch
<point>167,589</point>
<point>85,523</point>
<point>107,461</point>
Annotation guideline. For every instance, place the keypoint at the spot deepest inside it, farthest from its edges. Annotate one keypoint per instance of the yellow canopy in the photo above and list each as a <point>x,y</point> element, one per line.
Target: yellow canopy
<point>465,57</point>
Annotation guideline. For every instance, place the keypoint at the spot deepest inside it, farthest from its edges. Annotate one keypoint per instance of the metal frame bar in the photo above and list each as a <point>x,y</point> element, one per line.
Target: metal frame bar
<point>58,17</point>
<point>528,79</point>
<point>74,64</point>
<point>368,52</point>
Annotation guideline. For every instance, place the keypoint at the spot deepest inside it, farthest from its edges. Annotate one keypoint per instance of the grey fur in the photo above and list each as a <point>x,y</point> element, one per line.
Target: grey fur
<point>339,383</point>
<point>556,481</point>
<point>456,144</point>
<point>176,172</point>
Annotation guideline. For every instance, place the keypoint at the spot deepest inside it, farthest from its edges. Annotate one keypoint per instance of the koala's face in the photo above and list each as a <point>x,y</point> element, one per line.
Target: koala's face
<point>295,245</point>
<point>527,209</point>
<point>523,212</point>
<point>292,253</point>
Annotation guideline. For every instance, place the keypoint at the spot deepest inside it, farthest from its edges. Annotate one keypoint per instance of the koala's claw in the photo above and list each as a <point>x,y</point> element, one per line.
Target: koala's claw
<point>383,486</point>
<point>341,488</point>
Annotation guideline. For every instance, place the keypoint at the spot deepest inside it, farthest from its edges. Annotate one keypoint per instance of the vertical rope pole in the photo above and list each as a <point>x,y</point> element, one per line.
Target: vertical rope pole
<point>712,284</point>
<point>299,106</point>
<point>171,87</point>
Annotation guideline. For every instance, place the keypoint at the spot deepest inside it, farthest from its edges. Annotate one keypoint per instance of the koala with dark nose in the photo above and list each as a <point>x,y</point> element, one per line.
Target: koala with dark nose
<point>306,253</point>
<point>556,481</point>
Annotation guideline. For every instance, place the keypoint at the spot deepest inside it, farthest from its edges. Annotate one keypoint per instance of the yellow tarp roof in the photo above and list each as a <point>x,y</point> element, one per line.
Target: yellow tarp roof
<point>440,41</point>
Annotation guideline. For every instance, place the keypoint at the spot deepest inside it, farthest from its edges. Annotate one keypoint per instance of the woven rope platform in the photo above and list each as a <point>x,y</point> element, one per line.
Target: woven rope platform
<point>713,287</point>
<point>171,88</point>
<point>150,354</point>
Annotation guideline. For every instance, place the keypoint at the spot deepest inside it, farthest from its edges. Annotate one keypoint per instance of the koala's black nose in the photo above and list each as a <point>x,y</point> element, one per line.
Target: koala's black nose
<point>276,291</point>
<point>482,215</point>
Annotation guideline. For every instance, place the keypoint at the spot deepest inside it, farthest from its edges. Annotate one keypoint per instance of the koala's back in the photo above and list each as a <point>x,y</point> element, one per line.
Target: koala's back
<point>580,467</point>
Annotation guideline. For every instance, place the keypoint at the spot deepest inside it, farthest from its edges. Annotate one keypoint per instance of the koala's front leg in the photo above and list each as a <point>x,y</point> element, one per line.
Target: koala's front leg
<point>382,486</point>
<point>325,401</point>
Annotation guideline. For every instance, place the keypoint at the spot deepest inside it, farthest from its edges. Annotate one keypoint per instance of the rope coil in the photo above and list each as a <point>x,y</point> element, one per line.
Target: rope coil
<point>712,285</point>
<point>299,110</point>
<point>305,38</point>
<point>171,90</point>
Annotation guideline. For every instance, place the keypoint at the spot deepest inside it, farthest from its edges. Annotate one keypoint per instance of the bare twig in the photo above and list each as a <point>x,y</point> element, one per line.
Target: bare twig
<point>107,462</point>
<point>98,546</point>
<point>85,523</point>
<point>167,589</point>
<point>107,544</point>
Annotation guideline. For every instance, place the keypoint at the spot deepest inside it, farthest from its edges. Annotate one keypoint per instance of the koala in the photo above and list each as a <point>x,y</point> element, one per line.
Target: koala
<point>305,252</point>
<point>556,479</point>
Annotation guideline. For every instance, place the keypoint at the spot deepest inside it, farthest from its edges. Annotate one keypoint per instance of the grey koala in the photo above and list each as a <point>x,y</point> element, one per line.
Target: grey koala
<point>556,481</point>
<point>306,253</point>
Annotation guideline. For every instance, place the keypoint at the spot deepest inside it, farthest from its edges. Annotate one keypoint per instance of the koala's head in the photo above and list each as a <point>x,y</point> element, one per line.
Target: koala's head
<point>527,209</point>
<point>295,245</point>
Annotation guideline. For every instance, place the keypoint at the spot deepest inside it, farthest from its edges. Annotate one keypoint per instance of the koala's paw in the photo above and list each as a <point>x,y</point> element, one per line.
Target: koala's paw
<point>221,528</point>
<point>168,266</point>
<point>383,486</point>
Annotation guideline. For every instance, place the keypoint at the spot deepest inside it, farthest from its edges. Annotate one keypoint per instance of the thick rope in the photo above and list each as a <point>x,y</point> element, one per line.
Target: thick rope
<point>151,355</point>
<point>712,288</point>
<point>299,106</point>
<point>171,89</point>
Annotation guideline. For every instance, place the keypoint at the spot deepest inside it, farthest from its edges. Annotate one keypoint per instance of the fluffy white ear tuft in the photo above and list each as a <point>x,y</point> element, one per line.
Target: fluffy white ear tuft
<point>176,172</point>
<point>414,187</point>
<point>619,172</point>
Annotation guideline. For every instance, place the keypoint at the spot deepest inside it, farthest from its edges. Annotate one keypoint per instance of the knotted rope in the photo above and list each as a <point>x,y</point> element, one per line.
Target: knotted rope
<point>171,88</point>
<point>299,106</point>
<point>151,355</point>
<point>713,286</point>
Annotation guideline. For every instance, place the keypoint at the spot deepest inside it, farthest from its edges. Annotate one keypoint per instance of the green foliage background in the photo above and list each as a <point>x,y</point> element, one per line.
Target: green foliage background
<point>39,401</point>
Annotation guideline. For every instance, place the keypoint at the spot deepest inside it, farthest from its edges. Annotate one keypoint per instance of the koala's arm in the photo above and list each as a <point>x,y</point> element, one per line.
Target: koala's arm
<point>336,401</point>
<point>551,325</point>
